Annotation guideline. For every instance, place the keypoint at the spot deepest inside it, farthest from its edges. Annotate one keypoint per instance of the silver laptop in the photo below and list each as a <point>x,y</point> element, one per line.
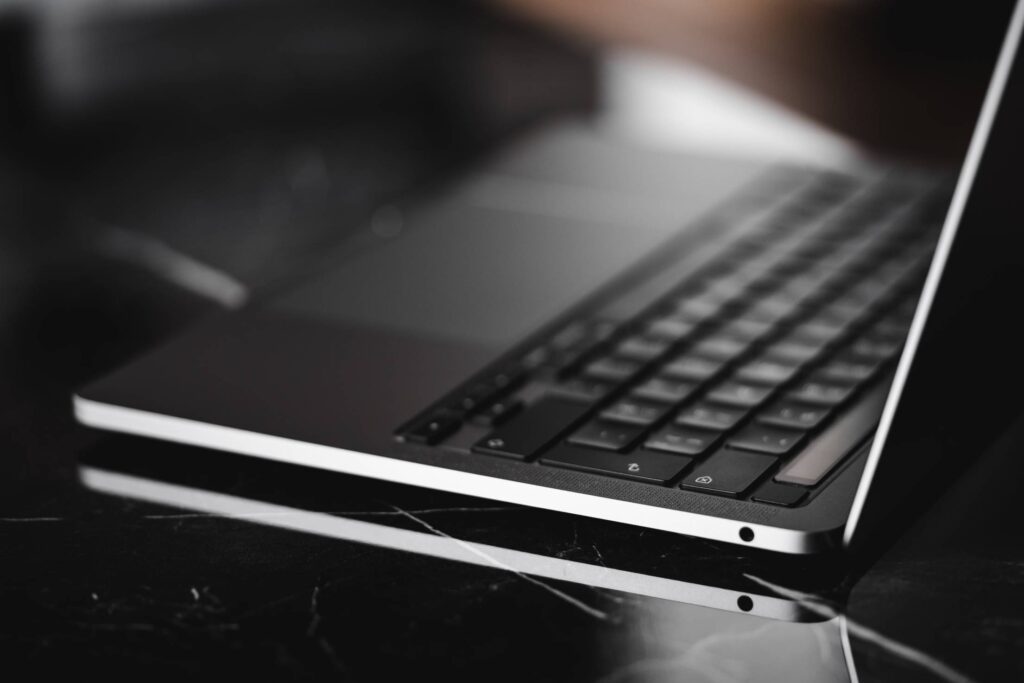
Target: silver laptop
<point>780,357</point>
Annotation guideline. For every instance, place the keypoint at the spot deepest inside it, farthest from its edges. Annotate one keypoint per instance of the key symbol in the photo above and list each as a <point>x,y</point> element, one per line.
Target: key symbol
<point>633,467</point>
<point>703,479</point>
<point>495,443</point>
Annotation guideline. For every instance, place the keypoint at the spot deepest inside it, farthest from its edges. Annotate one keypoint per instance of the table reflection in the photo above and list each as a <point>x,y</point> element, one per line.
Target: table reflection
<point>667,608</point>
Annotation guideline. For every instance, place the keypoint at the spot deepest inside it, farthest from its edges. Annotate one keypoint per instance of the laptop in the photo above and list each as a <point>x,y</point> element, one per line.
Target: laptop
<point>779,357</point>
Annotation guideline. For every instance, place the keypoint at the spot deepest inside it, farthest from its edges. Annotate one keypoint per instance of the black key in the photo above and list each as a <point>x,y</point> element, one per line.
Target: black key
<point>748,330</point>
<point>569,336</point>
<point>848,370</point>
<point>729,472</point>
<point>567,358</point>
<point>823,331</point>
<point>795,415</point>
<point>820,393</point>
<point>509,378</point>
<point>772,309</point>
<point>537,357</point>
<point>606,435</point>
<point>890,329</point>
<point>641,349</point>
<point>670,329</point>
<point>664,389</point>
<point>851,306</point>
<point>779,494</point>
<point>767,372</point>
<point>880,349</point>
<point>722,347</point>
<point>498,412</point>
<point>612,369</point>
<point>693,368</point>
<point>795,350</point>
<point>765,439</point>
<point>534,428</point>
<point>475,398</point>
<point>583,389</point>
<point>768,313</point>
<point>740,394</point>
<point>697,309</point>
<point>844,436</point>
<point>434,428</point>
<point>727,288</point>
<point>710,416</point>
<point>635,411</point>
<point>683,440</point>
<point>646,466</point>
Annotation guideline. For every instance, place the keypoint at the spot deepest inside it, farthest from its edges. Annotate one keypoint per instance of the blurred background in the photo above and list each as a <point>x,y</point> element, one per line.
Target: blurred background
<point>249,134</point>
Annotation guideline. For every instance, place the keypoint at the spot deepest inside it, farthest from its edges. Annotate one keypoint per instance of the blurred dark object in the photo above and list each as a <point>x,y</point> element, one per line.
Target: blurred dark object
<point>225,63</point>
<point>253,134</point>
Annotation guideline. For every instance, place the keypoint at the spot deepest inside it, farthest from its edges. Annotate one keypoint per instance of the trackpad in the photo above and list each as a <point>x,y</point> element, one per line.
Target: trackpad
<point>475,275</point>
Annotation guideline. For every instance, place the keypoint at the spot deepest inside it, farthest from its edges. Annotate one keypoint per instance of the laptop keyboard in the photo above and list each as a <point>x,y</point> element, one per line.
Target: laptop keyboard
<point>752,378</point>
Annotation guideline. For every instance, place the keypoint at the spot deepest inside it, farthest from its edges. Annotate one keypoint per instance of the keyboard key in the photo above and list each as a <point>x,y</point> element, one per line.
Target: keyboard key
<point>646,466</point>
<point>849,370</point>
<point>641,349</point>
<point>851,306</point>
<point>768,313</point>
<point>710,416</point>
<point>721,347</point>
<point>509,378</point>
<point>820,393</point>
<point>767,372</point>
<point>583,389</point>
<point>434,428</point>
<point>871,347</point>
<point>664,390</point>
<point>765,439</point>
<point>740,394</point>
<point>795,415</point>
<point>843,437</point>
<point>799,348</point>
<point>824,331</point>
<point>729,472</point>
<point>670,329</point>
<point>694,368</point>
<point>698,309</point>
<point>635,411</point>
<point>534,428</point>
<point>612,369</point>
<point>682,440</point>
<point>497,412</point>
<point>779,494</point>
<point>566,359</point>
<point>569,336</point>
<point>748,330</point>
<point>606,435</point>
<point>476,397</point>
<point>890,329</point>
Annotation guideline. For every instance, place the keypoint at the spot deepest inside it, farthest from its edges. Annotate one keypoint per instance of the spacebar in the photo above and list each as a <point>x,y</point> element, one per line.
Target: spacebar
<point>823,453</point>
